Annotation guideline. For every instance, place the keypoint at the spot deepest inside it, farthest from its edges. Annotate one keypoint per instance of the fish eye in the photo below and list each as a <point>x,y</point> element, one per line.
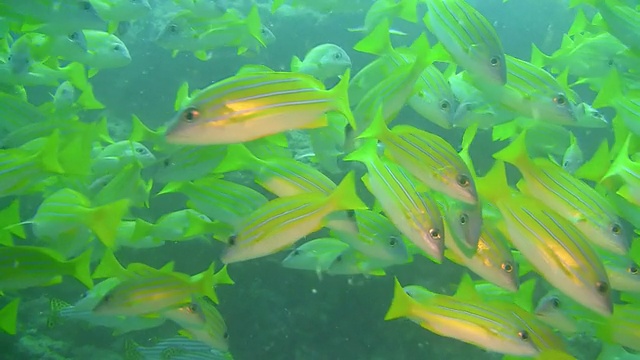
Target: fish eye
<point>190,114</point>
<point>339,258</point>
<point>523,335</point>
<point>560,99</point>
<point>225,335</point>
<point>351,214</point>
<point>633,269</point>
<point>232,240</point>
<point>106,298</point>
<point>166,162</point>
<point>555,302</point>
<point>141,150</point>
<point>116,47</point>
<point>73,36</point>
<point>337,55</point>
<point>507,267</point>
<point>85,5</point>
<point>296,252</point>
<point>444,105</point>
<point>610,62</point>
<point>393,241</point>
<point>602,287</point>
<point>463,180</point>
<point>565,164</point>
<point>494,61</point>
<point>192,308</point>
<point>616,229</point>
<point>434,233</point>
<point>464,218</point>
<point>173,28</point>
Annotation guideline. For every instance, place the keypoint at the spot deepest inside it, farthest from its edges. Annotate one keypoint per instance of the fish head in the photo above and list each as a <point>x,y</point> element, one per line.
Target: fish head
<point>465,223</point>
<point>267,35</point>
<point>19,58</point>
<point>82,15</point>
<point>490,62</point>
<point>554,310</point>
<point>116,51</point>
<point>587,116</point>
<point>175,34</point>
<point>140,153</point>
<point>77,39</point>
<point>337,58</point>
<point>64,96</point>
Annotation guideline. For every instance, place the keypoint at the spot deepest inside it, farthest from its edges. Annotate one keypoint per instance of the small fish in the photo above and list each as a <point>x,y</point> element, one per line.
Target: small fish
<point>223,200</point>
<point>377,238</point>
<point>155,291</point>
<point>315,255</point>
<point>66,212</point>
<point>573,157</point>
<point>492,259</point>
<point>323,62</point>
<point>202,321</point>
<point>30,266</point>
<point>280,176</point>
<point>114,157</point>
<point>238,108</point>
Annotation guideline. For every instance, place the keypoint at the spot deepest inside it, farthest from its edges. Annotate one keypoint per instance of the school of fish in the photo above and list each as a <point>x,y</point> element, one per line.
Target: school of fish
<point>545,237</point>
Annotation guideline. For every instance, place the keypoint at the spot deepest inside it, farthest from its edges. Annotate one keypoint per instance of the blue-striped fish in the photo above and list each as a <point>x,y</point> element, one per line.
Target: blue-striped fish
<point>492,328</point>
<point>552,244</point>
<point>281,222</point>
<point>492,259</point>
<point>428,157</point>
<point>253,105</point>
<point>23,267</point>
<point>280,176</point>
<point>469,38</point>
<point>409,208</point>
<point>580,204</point>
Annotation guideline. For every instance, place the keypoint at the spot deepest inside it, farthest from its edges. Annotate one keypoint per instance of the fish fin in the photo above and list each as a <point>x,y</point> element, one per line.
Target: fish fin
<point>203,55</point>
<point>296,64</point>
<point>92,72</point>
<point>524,295</point>
<point>401,304</point>
<point>222,277</point>
<point>82,268</point>
<point>345,197</point>
<point>611,90</point>
<point>514,153</point>
<point>595,168</point>
<point>109,267</point>
<point>206,283</point>
<point>9,317</point>
<point>493,186</point>
<point>467,139</point>
<point>377,42</point>
<point>254,25</point>
<point>340,94</point>
<point>408,10</point>
<point>377,129</point>
<point>104,221</point>
<point>182,97</point>
<point>88,101</point>
<point>467,289</point>
<point>538,58</point>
